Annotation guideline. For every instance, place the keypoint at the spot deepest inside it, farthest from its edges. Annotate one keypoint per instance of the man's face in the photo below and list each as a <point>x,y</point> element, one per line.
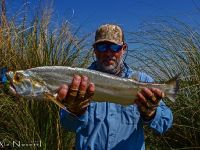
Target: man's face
<point>108,60</point>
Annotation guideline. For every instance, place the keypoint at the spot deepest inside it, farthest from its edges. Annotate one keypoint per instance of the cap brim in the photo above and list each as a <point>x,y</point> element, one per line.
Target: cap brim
<point>106,40</point>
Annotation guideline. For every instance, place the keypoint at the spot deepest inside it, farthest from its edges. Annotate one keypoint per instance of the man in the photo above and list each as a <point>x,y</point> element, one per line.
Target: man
<point>103,125</point>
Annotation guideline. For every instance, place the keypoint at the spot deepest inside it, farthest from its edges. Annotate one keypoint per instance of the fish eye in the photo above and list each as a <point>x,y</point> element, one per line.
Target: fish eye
<point>17,77</point>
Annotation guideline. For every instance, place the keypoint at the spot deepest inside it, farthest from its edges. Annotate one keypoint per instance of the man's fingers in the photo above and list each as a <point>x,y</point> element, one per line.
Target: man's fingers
<point>90,91</point>
<point>91,88</point>
<point>73,90</point>
<point>142,108</point>
<point>153,95</point>
<point>85,103</point>
<point>82,88</point>
<point>75,82</point>
<point>141,98</point>
<point>158,93</point>
<point>147,102</point>
<point>147,93</point>
<point>62,92</point>
<point>84,83</point>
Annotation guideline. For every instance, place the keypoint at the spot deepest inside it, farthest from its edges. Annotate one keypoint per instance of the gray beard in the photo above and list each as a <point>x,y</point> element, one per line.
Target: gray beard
<point>115,69</point>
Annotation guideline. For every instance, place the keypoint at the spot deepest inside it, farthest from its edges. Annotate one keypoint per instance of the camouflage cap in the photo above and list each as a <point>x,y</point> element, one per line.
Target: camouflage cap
<point>111,33</point>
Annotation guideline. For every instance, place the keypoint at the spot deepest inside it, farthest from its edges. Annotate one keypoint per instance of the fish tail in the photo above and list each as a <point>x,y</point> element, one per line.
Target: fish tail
<point>172,88</point>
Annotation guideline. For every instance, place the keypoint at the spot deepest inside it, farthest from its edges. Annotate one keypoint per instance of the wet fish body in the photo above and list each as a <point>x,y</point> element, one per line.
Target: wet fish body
<point>36,81</point>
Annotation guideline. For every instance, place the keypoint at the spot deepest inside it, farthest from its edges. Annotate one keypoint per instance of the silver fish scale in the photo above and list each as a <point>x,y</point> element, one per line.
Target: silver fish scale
<point>56,75</point>
<point>107,87</point>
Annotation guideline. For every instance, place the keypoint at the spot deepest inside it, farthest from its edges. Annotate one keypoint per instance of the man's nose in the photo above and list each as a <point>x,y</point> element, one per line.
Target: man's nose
<point>109,52</point>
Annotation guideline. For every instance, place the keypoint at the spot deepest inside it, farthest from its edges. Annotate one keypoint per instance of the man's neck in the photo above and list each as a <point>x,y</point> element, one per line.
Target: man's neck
<point>116,71</point>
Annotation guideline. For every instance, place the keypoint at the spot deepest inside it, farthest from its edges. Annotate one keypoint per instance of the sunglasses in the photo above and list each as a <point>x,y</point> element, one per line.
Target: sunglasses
<point>103,47</point>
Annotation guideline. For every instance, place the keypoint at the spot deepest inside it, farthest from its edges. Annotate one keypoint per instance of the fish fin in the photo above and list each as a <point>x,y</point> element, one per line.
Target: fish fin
<point>171,98</point>
<point>172,87</point>
<point>53,99</point>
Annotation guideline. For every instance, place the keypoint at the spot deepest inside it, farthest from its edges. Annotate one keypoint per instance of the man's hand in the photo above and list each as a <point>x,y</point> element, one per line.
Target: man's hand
<point>148,101</point>
<point>77,96</point>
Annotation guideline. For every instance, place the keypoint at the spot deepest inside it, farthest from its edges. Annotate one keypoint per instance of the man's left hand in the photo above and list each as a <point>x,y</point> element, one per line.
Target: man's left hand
<point>148,101</point>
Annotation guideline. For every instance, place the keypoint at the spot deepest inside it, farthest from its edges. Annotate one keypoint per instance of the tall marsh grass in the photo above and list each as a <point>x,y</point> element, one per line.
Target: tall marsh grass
<point>169,49</point>
<point>24,45</point>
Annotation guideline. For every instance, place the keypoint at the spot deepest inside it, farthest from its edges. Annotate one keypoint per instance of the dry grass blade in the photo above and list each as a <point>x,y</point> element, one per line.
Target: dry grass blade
<point>169,48</point>
<point>24,45</point>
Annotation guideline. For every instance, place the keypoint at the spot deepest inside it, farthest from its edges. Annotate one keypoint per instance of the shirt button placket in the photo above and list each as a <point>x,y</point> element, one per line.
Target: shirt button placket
<point>111,140</point>
<point>112,130</point>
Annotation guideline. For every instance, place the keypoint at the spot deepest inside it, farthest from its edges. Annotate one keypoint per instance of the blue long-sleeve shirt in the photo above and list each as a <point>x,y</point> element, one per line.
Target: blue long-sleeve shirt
<point>106,126</point>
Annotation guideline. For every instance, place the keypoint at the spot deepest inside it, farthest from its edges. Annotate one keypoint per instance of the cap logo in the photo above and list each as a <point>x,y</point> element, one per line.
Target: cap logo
<point>110,33</point>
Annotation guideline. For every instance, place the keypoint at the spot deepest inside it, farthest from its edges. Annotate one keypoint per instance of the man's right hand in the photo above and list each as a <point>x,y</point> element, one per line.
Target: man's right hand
<point>76,97</point>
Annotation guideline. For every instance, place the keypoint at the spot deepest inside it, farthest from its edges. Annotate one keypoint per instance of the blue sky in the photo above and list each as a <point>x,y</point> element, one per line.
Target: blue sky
<point>130,14</point>
<point>127,13</point>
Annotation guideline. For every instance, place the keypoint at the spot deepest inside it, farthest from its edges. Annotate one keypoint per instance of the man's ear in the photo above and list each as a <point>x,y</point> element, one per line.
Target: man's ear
<point>125,47</point>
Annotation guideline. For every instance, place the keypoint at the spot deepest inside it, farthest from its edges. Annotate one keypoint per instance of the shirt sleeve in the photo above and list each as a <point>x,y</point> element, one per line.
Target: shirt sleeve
<point>163,118</point>
<point>71,122</point>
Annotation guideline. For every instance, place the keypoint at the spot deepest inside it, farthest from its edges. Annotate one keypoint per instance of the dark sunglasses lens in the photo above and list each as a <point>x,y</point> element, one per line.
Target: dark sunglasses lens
<point>101,47</point>
<point>115,47</point>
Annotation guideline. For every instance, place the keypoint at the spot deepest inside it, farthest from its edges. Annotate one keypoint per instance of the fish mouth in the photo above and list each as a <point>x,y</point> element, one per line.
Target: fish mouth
<point>12,89</point>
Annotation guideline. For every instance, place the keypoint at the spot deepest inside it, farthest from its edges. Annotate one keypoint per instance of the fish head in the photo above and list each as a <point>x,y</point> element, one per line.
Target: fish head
<point>25,83</point>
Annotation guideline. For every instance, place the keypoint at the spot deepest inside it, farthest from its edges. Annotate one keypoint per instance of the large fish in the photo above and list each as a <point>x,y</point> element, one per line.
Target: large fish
<point>44,81</point>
